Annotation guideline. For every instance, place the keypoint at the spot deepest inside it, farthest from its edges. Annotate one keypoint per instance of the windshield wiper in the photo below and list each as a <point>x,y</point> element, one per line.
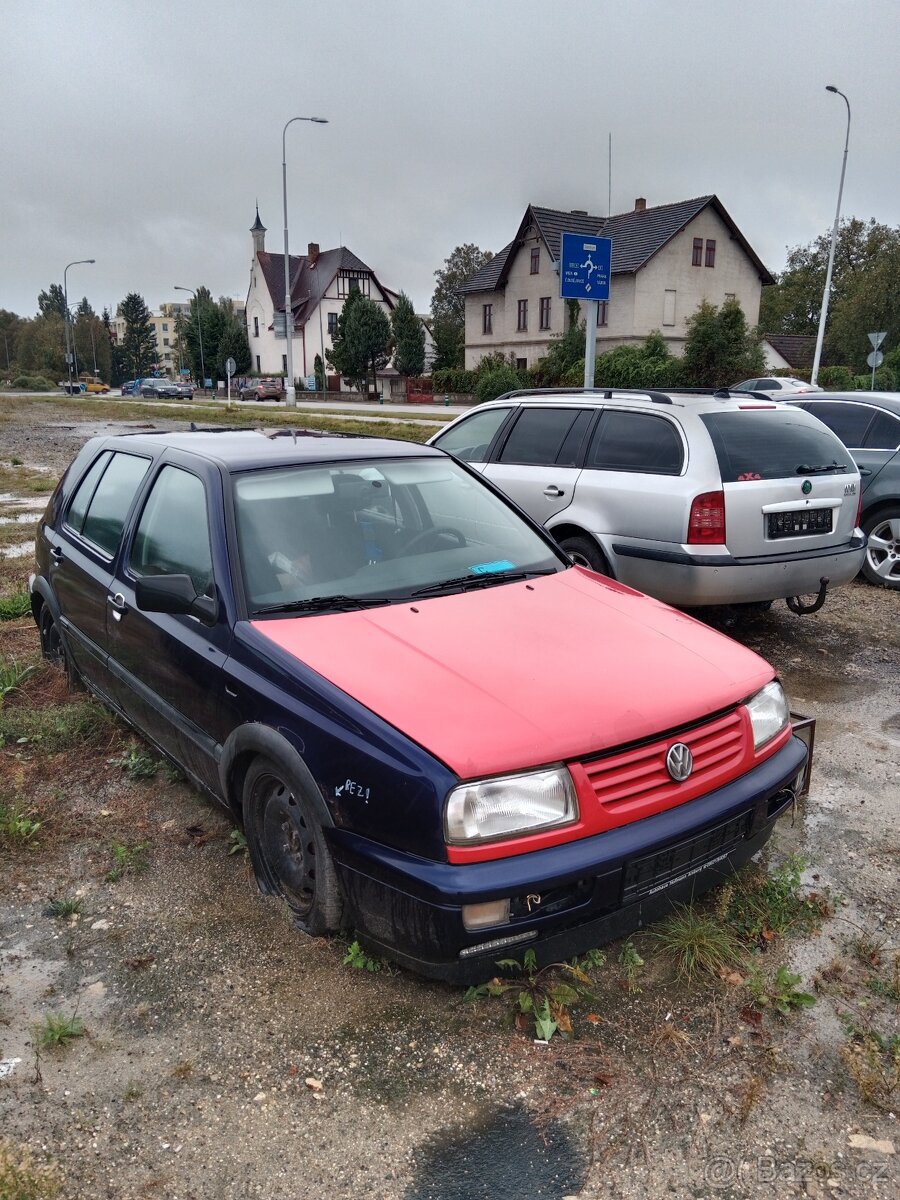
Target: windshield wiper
<point>314,604</point>
<point>466,583</point>
<point>803,469</point>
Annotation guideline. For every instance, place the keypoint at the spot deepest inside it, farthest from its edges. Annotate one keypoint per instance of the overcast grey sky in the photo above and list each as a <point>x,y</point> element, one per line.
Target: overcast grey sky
<point>142,134</point>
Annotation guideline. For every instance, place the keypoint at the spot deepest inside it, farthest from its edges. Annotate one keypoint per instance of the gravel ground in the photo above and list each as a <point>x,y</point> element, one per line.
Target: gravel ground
<point>228,1056</point>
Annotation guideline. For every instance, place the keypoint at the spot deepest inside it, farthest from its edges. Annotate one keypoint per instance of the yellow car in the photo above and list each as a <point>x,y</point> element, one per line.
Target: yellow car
<point>95,385</point>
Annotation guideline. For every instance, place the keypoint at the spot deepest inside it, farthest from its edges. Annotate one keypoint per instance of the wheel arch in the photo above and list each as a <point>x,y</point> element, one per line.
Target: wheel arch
<point>567,529</point>
<point>879,508</point>
<point>255,740</point>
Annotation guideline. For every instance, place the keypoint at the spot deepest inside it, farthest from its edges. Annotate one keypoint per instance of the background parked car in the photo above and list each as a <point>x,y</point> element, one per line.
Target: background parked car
<point>158,387</point>
<point>777,386</point>
<point>75,388</point>
<point>262,389</point>
<point>868,423</point>
<point>696,499</point>
<point>183,389</point>
<point>128,388</point>
<point>95,386</point>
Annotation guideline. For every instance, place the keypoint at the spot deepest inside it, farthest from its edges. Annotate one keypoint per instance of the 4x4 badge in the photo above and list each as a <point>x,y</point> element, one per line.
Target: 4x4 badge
<point>806,488</point>
<point>679,762</point>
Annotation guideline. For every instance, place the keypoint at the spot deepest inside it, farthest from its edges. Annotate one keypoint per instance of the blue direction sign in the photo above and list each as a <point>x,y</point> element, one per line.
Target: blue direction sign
<point>584,267</point>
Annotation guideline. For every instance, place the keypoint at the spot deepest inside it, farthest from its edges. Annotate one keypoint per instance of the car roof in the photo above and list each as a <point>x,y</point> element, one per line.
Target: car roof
<point>707,401</point>
<point>889,401</point>
<point>245,449</point>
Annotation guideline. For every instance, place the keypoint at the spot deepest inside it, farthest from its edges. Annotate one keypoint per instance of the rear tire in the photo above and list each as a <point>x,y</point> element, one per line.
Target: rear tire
<point>881,565</point>
<point>288,849</point>
<point>53,648</point>
<point>585,552</point>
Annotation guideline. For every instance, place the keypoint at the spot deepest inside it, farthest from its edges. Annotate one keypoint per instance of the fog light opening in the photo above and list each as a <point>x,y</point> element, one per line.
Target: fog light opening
<point>481,916</point>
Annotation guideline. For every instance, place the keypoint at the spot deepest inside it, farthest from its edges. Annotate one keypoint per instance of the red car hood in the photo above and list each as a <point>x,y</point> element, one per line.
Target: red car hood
<point>521,674</point>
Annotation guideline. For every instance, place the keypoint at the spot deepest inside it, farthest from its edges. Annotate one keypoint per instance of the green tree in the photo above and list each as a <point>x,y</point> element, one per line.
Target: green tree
<point>11,326</point>
<point>362,342</point>
<point>448,304</point>
<point>409,338</point>
<point>40,348</point>
<point>52,302</point>
<point>720,348</point>
<point>319,368</point>
<point>566,351</point>
<point>214,320</point>
<point>139,343</point>
<point>233,344</point>
<point>116,365</point>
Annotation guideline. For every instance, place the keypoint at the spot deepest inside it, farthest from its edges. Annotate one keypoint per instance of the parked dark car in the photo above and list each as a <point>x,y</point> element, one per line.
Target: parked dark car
<point>129,388</point>
<point>184,390</point>
<point>868,423</point>
<point>262,389</point>
<point>434,728</point>
<point>158,387</point>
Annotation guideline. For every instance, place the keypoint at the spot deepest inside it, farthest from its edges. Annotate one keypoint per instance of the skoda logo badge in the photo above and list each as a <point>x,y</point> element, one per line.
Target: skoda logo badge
<point>806,488</point>
<point>679,762</point>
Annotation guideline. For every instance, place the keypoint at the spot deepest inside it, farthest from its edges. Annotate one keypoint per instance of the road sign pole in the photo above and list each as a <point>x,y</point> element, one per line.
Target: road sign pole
<point>590,343</point>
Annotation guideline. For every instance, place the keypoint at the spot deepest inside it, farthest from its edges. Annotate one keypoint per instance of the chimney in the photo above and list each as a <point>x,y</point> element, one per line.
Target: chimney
<point>640,204</point>
<point>312,253</point>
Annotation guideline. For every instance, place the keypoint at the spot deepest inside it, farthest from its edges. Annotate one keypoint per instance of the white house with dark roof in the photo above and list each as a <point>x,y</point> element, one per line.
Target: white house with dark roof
<point>320,282</point>
<point>665,261</point>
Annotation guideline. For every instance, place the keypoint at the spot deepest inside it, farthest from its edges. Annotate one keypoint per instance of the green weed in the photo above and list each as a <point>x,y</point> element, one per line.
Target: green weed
<point>762,906</point>
<point>237,844</point>
<point>136,762</point>
<point>633,965</point>
<point>542,998</point>
<point>126,860</point>
<point>16,605</point>
<point>56,1031</point>
<point>781,994</point>
<point>55,729</point>
<point>357,958</point>
<point>12,675</point>
<point>873,1063</point>
<point>696,942</point>
<point>64,906</point>
<point>17,826</point>
<point>23,1178</point>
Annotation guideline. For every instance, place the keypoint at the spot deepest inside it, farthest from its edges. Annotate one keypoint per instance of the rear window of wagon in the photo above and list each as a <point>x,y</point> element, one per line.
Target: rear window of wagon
<point>773,444</point>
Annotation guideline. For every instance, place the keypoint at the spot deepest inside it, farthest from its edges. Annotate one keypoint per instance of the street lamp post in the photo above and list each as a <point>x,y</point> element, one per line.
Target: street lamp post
<point>199,331</point>
<point>288,311</point>
<point>820,336</point>
<point>78,262</point>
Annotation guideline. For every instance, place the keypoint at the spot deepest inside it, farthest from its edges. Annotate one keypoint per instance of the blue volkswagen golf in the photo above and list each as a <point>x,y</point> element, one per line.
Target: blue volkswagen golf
<point>432,726</point>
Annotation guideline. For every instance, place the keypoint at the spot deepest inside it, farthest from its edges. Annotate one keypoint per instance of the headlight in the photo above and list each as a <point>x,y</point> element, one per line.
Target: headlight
<point>769,713</point>
<point>509,805</point>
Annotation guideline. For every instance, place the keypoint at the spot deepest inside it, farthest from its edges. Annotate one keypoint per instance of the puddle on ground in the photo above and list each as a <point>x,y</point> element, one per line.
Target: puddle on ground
<point>481,1163</point>
<point>26,518</point>
<point>105,428</point>
<point>21,550</point>
<point>814,685</point>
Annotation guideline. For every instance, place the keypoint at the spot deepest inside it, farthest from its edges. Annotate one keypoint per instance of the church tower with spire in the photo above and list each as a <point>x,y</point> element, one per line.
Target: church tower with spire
<point>258,230</point>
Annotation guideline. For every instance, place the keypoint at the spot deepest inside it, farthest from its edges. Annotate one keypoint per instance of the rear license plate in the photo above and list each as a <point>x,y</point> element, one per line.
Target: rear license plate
<point>799,521</point>
<point>654,872</point>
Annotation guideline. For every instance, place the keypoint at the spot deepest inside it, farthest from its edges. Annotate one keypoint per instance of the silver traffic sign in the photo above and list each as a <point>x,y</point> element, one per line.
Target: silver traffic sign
<point>876,339</point>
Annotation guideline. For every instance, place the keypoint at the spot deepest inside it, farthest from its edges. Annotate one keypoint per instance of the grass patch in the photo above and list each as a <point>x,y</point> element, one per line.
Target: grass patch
<point>64,906</point>
<point>759,906</point>
<point>16,605</point>
<point>873,1063</point>
<point>697,942</point>
<point>23,1178</point>
<point>55,729</point>
<point>17,828</point>
<point>127,860</point>
<point>136,762</point>
<point>781,993</point>
<point>57,1030</point>
<point>12,675</point>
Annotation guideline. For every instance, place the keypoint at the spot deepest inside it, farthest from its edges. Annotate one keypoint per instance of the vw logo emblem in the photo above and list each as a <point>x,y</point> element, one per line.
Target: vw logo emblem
<point>679,762</point>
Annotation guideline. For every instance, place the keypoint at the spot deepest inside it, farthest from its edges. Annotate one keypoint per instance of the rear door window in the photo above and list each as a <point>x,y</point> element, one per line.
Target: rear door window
<point>538,435</point>
<point>773,444</point>
<point>639,442</point>
<point>884,433</point>
<point>848,421</point>
<point>84,493</point>
<point>111,500</point>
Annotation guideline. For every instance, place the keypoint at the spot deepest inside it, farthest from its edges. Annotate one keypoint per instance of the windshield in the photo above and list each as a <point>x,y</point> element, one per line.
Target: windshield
<point>376,530</point>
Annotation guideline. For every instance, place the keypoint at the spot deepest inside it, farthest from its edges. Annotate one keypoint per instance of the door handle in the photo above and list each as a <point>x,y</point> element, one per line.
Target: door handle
<point>865,470</point>
<point>553,492</point>
<point>56,553</point>
<point>117,603</point>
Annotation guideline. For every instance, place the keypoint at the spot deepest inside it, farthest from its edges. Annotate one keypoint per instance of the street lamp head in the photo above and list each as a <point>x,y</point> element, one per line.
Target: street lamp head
<point>90,260</point>
<point>829,87</point>
<point>319,120</point>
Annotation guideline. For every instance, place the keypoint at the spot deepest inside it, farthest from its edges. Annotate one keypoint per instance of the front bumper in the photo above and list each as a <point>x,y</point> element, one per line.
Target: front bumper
<point>569,897</point>
<point>687,579</point>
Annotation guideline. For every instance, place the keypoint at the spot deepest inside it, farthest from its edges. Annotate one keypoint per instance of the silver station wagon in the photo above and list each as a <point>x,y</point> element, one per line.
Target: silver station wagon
<point>695,498</point>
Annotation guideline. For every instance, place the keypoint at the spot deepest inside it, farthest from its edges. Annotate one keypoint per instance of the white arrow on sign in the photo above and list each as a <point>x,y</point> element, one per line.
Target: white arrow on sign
<point>877,338</point>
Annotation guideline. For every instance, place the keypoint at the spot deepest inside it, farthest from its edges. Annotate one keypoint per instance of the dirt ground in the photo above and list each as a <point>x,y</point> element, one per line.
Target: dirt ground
<point>224,1055</point>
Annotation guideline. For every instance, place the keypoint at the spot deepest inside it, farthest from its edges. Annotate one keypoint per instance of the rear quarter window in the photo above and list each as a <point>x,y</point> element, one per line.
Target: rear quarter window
<point>773,444</point>
<point>884,433</point>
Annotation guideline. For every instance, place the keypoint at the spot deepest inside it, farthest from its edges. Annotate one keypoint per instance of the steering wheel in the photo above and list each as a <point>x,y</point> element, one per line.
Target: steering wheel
<point>435,532</point>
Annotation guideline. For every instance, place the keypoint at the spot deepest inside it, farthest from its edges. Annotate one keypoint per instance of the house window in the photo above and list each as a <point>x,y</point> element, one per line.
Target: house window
<point>545,312</point>
<point>284,364</point>
<point>697,260</point>
<point>346,283</point>
<point>521,364</point>
<point>729,296</point>
<point>602,313</point>
<point>257,364</point>
<point>669,307</point>
<point>487,318</point>
<point>165,327</point>
<point>332,324</point>
<point>710,252</point>
<point>165,341</point>
<point>256,326</point>
<point>522,325</point>
<point>536,260</point>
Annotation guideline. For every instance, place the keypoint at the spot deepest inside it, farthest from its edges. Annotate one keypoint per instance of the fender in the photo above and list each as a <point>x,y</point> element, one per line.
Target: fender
<point>257,739</point>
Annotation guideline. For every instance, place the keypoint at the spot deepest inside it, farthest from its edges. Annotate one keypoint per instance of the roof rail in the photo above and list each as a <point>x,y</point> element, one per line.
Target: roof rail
<point>736,394</point>
<point>605,393</point>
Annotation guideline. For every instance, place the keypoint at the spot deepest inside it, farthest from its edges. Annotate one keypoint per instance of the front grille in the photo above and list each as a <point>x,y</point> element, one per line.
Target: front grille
<point>633,783</point>
<point>654,872</point>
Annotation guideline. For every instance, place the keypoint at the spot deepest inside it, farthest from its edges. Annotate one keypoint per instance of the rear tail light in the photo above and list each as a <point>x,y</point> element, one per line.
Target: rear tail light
<point>707,524</point>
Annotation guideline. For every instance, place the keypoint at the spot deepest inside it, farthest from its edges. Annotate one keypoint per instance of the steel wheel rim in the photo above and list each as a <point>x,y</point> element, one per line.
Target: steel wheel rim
<point>288,845</point>
<point>580,560</point>
<point>883,550</point>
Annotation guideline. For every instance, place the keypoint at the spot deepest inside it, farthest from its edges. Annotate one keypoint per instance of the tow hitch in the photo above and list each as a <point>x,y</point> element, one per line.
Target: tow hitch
<point>796,605</point>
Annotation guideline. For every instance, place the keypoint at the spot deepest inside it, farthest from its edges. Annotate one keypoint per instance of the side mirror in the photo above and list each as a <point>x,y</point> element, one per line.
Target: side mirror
<point>174,594</point>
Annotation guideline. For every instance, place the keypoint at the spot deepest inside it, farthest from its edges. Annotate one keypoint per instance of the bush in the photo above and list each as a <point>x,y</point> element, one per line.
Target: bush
<point>495,381</point>
<point>885,380</point>
<point>837,379</point>
<point>33,383</point>
<point>453,379</point>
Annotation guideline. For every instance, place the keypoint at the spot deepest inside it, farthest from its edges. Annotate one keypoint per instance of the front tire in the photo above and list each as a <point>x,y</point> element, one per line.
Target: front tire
<point>881,565</point>
<point>585,552</point>
<point>288,849</point>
